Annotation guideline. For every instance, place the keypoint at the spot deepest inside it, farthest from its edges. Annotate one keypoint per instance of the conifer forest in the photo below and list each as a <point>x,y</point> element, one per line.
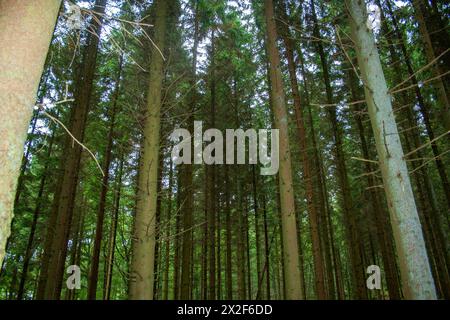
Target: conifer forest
<point>224,149</point>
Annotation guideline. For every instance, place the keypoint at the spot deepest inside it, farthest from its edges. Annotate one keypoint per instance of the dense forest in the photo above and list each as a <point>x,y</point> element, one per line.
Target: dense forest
<point>95,202</point>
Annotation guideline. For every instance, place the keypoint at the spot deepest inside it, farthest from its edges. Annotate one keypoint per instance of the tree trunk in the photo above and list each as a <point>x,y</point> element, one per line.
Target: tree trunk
<point>167,234</point>
<point>36,214</point>
<point>26,31</point>
<point>240,241</point>
<point>143,257</point>
<point>422,107</point>
<point>113,234</point>
<point>229,239</point>
<point>290,245</point>
<point>266,250</point>
<point>176,256</point>
<point>307,174</point>
<point>430,214</point>
<point>186,181</point>
<point>351,225</point>
<point>211,186</point>
<point>257,232</point>
<point>417,281</point>
<point>93,276</point>
<point>432,51</point>
<point>70,161</point>
<point>384,233</point>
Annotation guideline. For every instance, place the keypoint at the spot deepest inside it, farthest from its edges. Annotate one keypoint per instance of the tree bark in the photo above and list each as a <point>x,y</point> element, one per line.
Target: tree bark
<point>26,28</point>
<point>384,233</point>
<point>290,245</point>
<point>143,256</point>
<point>417,281</point>
<point>36,214</point>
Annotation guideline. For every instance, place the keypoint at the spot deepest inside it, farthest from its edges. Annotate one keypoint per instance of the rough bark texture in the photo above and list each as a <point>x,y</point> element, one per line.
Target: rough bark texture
<point>142,262</point>
<point>417,281</point>
<point>26,29</point>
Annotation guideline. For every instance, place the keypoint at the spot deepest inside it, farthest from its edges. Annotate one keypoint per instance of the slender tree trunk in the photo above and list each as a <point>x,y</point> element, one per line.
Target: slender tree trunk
<point>247,246</point>
<point>307,174</point>
<point>432,52</point>
<point>210,181</point>
<point>93,278</point>
<point>422,107</point>
<point>218,252</point>
<point>417,281</point>
<point>25,32</point>
<point>176,257</point>
<point>322,200</point>
<point>113,234</point>
<point>70,161</point>
<point>187,180</point>
<point>229,239</point>
<point>158,247</point>
<point>290,244</point>
<point>257,230</point>
<point>36,214</point>
<point>143,257</point>
<point>266,250</point>
<point>240,241</point>
<point>167,240</point>
<point>384,233</point>
<point>77,239</point>
<point>353,237</point>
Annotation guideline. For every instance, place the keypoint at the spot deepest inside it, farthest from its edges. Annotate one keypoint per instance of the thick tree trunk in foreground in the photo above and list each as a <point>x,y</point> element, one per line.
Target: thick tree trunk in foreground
<point>142,263</point>
<point>380,216</point>
<point>290,246</point>
<point>26,29</point>
<point>417,281</point>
